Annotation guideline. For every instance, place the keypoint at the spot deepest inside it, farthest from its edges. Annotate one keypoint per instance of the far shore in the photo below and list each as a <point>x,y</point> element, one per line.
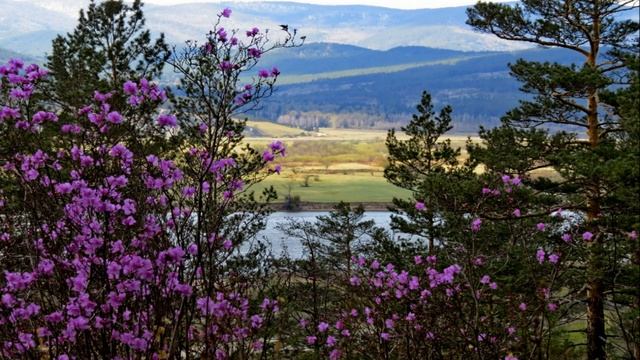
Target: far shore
<point>328,206</point>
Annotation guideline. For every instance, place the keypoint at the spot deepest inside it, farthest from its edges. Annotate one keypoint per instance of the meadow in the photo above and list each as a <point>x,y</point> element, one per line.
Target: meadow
<point>331,165</point>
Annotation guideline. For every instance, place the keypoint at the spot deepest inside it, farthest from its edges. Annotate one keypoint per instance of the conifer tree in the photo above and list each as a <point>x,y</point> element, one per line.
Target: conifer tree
<point>569,124</point>
<point>424,164</point>
<point>109,46</point>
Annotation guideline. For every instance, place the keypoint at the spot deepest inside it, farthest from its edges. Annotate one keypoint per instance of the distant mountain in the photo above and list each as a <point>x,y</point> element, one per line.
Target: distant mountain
<point>6,55</point>
<point>479,89</point>
<point>331,57</point>
<point>365,26</point>
<point>29,25</point>
<point>362,66</point>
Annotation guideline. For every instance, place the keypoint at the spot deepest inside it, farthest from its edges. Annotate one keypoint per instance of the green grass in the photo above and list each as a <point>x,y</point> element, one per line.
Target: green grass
<point>304,78</point>
<point>331,188</point>
<point>273,130</point>
<point>347,164</point>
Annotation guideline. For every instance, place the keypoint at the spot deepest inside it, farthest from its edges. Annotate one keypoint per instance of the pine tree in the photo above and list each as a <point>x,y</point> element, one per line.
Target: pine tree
<point>109,46</point>
<point>424,164</point>
<point>568,124</point>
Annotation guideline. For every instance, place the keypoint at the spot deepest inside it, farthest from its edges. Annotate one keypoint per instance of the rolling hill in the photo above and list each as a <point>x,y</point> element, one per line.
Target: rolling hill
<point>478,87</point>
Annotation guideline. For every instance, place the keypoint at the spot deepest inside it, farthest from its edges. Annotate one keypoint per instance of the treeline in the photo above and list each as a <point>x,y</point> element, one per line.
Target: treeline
<point>480,90</point>
<point>313,120</point>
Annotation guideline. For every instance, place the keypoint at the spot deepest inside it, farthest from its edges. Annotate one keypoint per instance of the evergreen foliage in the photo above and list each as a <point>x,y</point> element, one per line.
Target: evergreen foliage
<point>591,148</point>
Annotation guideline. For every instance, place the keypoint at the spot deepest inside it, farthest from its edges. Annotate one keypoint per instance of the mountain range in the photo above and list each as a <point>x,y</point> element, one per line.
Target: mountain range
<point>362,66</point>
<point>372,88</point>
<point>27,26</point>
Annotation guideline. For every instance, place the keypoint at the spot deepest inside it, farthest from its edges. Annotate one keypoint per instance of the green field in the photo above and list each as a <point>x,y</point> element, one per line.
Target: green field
<point>304,78</point>
<point>331,165</point>
<point>272,130</point>
<point>332,188</point>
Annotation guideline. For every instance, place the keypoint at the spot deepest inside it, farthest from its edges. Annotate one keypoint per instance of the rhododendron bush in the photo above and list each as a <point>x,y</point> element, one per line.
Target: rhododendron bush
<point>128,230</point>
<point>107,252</point>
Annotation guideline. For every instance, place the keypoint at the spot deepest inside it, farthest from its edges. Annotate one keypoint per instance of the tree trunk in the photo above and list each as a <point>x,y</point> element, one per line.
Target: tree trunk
<point>596,332</point>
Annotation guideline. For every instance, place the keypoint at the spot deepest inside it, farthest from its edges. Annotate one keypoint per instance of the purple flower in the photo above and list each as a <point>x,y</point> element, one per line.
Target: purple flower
<point>267,156</point>
<point>42,116</point>
<point>335,354</point>
<point>254,52</point>
<point>226,66</point>
<point>331,341</point>
<point>554,258</point>
<point>516,213</point>
<point>420,206</point>
<point>540,255</point>
<point>475,225</point>
<point>192,249</point>
<point>522,307</point>
<point>540,226</point>
<point>114,117</point>
<point>277,147</point>
<point>222,35</point>
<point>253,32</point>
<point>263,74</point>
<point>130,87</point>
<point>566,238</point>
<point>323,326</point>
<point>587,236</point>
<point>45,267</point>
<point>167,120</point>
<point>275,71</point>
<point>311,340</point>
<point>226,12</point>
<point>256,321</point>
<point>389,323</point>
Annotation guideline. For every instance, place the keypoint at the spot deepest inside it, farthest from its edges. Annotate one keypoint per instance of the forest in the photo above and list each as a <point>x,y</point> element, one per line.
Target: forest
<point>130,211</point>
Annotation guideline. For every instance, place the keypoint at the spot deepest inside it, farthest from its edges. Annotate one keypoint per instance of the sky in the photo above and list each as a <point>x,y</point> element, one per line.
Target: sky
<point>398,4</point>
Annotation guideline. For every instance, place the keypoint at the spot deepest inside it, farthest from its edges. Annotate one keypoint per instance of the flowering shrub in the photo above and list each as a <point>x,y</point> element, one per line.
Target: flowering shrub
<point>110,249</point>
<point>117,252</point>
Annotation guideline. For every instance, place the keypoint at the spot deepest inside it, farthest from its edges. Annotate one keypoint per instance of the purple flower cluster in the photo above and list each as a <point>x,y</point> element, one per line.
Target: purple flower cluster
<point>103,261</point>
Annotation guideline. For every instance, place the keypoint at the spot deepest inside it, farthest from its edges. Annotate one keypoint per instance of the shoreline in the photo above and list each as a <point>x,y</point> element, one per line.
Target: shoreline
<point>321,206</point>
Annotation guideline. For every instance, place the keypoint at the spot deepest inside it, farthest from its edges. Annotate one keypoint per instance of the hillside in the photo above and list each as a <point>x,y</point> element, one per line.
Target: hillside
<point>479,88</point>
<point>5,55</point>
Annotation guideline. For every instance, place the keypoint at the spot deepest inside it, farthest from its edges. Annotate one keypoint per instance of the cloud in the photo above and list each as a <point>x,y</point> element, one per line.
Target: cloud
<point>398,4</point>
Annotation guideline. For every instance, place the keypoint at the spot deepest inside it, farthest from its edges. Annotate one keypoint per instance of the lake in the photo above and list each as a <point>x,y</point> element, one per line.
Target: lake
<point>279,241</point>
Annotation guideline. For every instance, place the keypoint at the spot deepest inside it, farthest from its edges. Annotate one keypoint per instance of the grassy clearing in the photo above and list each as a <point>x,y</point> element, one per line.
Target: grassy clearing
<point>273,130</point>
<point>347,162</point>
<point>332,188</point>
<point>333,164</point>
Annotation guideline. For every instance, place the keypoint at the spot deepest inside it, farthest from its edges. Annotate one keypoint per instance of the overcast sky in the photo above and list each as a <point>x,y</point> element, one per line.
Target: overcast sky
<point>399,4</point>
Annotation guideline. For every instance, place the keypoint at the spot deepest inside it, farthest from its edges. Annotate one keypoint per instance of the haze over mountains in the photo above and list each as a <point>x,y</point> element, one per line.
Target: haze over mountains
<point>28,26</point>
<point>361,66</point>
